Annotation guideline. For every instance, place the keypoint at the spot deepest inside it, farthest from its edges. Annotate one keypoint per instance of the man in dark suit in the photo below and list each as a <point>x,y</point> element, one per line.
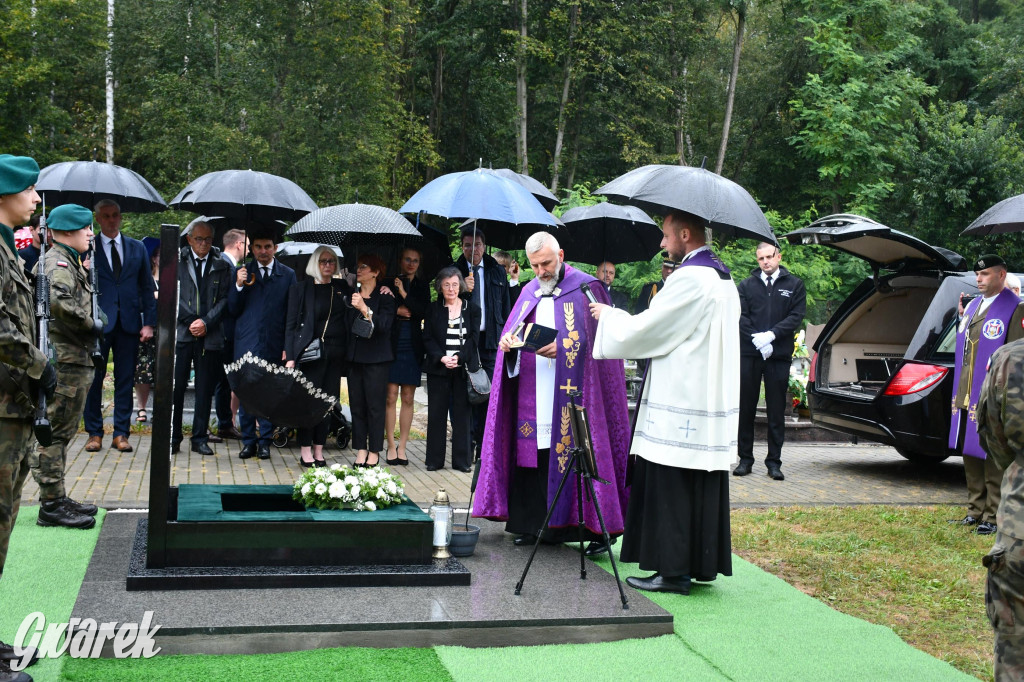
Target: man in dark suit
<point>258,301</point>
<point>606,275</point>
<point>236,245</point>
<point>772,305</point>
<point>651,289</point>
<point>126,297</point>
<point>203,283</point>
<point>488,288</point>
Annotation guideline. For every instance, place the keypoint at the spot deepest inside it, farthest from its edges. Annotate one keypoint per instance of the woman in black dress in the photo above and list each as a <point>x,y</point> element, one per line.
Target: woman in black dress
<point>412,296</point>
<point>317,311</point>
<point>451,347</point>
<point>369,359</point>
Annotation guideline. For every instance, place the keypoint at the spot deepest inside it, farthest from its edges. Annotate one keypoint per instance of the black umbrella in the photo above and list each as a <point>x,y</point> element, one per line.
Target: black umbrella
<point>87,182</point>
<point>245,196</point>
<point>1006,216</point>
<point>608,232</point>
<point>503,235</point>
<point>727,207</point>
<point>222,224</point>
<point>542,193</point>
<point>275,392</point>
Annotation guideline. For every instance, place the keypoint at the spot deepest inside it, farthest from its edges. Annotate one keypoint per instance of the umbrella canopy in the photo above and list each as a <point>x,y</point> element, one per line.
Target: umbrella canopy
<point>727,207</point>
<point>296,254</point>
<point>87,182</point>
<point>479,194</point>
<point>1006,216</point>
<point>505,236</point>
<point>608,232</point>
<point>245,196</point>
<point>539,191</point>
<point>274,392</point>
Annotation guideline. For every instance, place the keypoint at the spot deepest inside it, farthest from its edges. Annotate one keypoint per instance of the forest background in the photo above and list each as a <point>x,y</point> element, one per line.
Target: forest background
<point>906,111</point>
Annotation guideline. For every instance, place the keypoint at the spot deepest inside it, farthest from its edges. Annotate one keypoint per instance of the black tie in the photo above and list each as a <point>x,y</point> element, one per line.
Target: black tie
<point>199,273</point>
<point>115,260</point>
<point>769,283</point>
<point>266,272</point>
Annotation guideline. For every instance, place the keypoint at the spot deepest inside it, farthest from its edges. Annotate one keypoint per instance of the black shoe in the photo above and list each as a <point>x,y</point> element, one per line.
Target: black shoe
<point>660,583</point>
<point>597,547</point>
<point>431,467</point>
<point>56,513</point>
<point>263,451</point>
<point>79,507</point>
<point>8,675</point>
<point>465,470</point>
<point>211,438</point>
<point>306,465</point>
<point>320,463</point>
<point>202,449</point>
<point>7,654</point>
<point>524,540</point>
<point>403,462</point>
<point>247,451</point>
<point>985,528</point>
<point>175,447</point>
<point>775,473</point>
<point>229,432</point>
<point>743,468</point>
<point>965,521</point>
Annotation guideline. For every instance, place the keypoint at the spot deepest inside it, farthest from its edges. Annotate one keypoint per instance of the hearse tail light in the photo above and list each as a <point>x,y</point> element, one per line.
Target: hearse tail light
<point>914,378</point>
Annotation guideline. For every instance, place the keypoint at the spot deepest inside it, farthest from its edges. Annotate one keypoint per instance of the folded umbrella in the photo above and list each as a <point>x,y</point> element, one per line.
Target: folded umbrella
<point>275,392</point>
<point>87,182</point>
<point>1006,216</point>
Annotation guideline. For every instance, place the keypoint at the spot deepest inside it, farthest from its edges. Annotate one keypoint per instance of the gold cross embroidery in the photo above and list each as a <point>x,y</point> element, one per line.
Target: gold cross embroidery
<point>568,386</point>
<point>526,429</point>
<point>972,414</point>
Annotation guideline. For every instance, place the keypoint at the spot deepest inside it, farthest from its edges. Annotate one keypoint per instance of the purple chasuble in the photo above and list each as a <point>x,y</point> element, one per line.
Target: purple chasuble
<point>510,431</point>
<point>992,337</point>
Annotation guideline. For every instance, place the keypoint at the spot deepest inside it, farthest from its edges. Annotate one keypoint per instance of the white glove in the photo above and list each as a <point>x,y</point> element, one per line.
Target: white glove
<point>766,351</point>
<point>762,338</point>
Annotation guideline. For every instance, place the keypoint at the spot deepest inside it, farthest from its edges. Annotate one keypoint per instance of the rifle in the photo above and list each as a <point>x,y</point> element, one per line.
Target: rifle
<point>98,359</point>
<point>43,432</point>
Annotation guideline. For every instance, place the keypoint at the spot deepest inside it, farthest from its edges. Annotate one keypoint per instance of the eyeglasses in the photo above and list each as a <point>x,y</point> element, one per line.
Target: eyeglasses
<point>201,240</point>
<point>327,261</point>
<point>361,266</point>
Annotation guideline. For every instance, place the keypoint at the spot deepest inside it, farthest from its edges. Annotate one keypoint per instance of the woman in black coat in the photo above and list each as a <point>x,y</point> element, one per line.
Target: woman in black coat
<point>412,295</point>
<point>317,310</point>
<point>369,359</point>
<point>450,332</point>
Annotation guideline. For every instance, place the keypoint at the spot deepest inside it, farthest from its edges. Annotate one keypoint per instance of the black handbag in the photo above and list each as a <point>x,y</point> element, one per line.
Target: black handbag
<point>478,384</point>
<point>362,327</point>
<point>312,352</point>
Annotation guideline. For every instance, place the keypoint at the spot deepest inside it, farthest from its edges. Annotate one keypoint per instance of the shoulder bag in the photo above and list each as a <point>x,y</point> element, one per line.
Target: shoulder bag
<point>312,352</point>
<point>478,384</point>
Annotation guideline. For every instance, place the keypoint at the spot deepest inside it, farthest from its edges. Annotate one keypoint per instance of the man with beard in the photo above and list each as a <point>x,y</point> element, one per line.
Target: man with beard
<point>527,436</point>
<point>677,523</point>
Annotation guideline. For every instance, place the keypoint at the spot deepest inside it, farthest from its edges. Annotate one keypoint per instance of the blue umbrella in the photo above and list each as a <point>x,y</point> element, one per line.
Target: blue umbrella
<point>480,195</point>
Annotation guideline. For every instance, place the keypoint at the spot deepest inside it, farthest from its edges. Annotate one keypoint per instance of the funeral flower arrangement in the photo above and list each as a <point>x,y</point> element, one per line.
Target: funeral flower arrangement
<point>342,487</point>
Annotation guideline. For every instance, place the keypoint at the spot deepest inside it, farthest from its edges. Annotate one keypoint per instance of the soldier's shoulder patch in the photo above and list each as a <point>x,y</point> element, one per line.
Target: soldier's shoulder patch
<point>62,264</point>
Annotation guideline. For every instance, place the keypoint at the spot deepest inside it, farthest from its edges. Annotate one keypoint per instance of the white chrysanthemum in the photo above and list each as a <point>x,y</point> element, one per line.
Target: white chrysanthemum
<point>335,467</point>
<point>351,481</point>
<point>306,488</point>
<point>392,488</point>
<point>382,494</point>
<point>337,490</point>
<point>320,489</point>
<point>331,478</point>
<point>356,490</point>
<point>370,506</point>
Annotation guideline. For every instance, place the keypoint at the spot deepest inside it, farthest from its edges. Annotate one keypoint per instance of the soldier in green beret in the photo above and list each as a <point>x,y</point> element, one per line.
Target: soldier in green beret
<point>72,334</point>
<point>23,367</point>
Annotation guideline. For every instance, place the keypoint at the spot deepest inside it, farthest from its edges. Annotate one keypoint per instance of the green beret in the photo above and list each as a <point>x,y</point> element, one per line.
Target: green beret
<point>17,173</point>
<point>69,217</point>
<point>989,260</point>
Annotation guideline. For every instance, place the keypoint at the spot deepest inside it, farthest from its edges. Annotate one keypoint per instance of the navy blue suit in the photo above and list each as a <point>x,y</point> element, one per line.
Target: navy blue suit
<point>129,304</point>
<point>260,316</point>
<point>221,390</point>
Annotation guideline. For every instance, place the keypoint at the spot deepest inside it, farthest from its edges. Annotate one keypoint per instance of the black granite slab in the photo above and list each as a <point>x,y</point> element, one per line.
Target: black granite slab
<point>555,605</point>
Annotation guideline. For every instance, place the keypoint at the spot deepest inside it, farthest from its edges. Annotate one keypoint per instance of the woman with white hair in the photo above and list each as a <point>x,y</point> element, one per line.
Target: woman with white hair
<point>316,318</point>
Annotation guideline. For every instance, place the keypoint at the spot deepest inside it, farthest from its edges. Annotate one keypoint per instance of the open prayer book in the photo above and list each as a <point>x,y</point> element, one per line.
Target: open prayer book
<point>534,337</point>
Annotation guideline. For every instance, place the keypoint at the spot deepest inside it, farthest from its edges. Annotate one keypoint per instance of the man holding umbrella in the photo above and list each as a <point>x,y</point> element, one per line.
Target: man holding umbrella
<point>488,287</point>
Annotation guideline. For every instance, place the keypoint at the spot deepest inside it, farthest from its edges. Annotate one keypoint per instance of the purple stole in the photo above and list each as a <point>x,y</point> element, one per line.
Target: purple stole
<point>992,337</point>
<point>571,321</point>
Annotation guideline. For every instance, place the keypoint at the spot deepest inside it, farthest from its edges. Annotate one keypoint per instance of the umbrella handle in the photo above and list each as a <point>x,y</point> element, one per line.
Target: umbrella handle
<point>249,282</point>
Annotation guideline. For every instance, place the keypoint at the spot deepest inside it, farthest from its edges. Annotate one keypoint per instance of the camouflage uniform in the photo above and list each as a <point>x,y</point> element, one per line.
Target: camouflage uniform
<point>71,332</point>
<point>20,364</point>
<point>1001,433</point>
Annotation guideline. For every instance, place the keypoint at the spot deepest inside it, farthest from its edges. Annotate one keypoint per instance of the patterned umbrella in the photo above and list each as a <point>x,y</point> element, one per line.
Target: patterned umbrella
<point>87,182</point>
<point>275,392</point>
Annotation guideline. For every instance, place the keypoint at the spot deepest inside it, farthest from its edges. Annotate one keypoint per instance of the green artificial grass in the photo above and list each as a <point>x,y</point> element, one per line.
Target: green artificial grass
<point>44,571</point>
<point>751,626</point>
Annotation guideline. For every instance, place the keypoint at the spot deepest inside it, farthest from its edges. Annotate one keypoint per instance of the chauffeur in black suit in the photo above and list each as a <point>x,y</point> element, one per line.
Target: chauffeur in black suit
<point>487,283</point>
<point>203,284</point>
<point>606,275</point>
<point>772,306</point>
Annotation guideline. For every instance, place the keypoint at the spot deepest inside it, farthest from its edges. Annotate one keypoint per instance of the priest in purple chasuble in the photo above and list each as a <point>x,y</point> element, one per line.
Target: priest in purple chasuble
<point>989,322</point>
<point>527,436</point>
<point>687,422</point>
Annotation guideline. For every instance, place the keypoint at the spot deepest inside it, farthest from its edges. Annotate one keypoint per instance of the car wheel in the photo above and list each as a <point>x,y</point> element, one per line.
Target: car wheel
<point>920,457</point>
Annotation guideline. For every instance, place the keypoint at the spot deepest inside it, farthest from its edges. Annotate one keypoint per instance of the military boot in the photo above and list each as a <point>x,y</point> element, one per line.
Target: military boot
<point>57,513</point>
<point>8,675</point>
<point>80,507</point>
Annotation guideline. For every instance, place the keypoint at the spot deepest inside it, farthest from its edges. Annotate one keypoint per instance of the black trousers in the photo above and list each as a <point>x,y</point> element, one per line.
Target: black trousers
<point>487,359</point>
<point>775,372</point>
<point>325,374</point>
<point>367,396</point>
<point>446,395</point>
<point>222,390</point>
<point>528,503</point>
<point>205,362</point>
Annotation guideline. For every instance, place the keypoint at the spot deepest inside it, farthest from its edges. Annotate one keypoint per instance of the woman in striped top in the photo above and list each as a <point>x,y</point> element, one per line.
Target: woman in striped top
<point>450,349</point>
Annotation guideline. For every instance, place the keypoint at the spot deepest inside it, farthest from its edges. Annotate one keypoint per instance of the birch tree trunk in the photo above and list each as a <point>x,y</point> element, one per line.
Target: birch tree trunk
<point>574,12</point>
<point>737,46</point>
<point>521,155</point>
<point>109,64</point>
